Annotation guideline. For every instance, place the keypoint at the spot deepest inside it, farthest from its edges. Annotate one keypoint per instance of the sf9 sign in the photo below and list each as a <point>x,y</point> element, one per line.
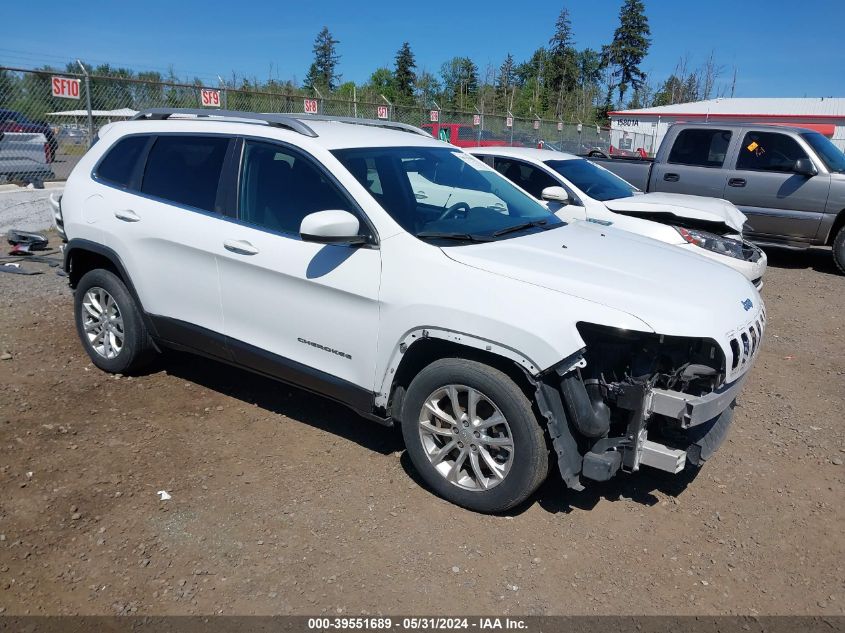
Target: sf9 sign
<point>210,98</point>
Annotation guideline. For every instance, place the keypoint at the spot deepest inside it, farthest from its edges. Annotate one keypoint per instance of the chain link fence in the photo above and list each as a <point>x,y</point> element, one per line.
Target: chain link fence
<point>48,120</point>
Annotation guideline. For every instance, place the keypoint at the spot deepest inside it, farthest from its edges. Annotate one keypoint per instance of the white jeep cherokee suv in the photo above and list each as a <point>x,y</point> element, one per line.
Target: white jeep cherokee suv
<point>499,337</point>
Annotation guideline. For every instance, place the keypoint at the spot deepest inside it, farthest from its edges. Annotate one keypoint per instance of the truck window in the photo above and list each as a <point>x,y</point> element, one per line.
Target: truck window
<point>466,133</point>
<point>700,147</point>
<point>769,151</point>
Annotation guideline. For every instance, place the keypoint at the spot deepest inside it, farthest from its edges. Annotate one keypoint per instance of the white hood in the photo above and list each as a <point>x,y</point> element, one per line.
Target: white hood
<point>674,292</point>
<point>683,206</point>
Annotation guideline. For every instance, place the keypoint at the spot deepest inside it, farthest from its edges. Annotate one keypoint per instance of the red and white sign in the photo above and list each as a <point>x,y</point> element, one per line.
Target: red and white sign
<point>310,106</point>
<point>509,121</point>
<point>559,126</point>
<point>434,116</point>
<point>476,119</point>
<point>210,98</point>
<point>382,112</point>
<point>65,88</point>
<point>536,124</point>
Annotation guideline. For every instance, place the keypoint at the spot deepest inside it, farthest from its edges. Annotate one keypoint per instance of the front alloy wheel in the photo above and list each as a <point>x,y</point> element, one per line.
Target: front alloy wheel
<point>466,438</point>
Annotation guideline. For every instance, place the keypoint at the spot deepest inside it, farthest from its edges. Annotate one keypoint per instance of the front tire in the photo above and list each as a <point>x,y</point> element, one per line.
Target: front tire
<point>109,323</point>
<point>472,435</point>
<point>839,250</point>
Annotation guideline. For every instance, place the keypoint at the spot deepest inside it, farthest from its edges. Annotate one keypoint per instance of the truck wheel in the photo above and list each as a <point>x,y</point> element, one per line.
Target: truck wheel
<point>109,323</point>
<point>839,250</point>
<point>472,435</point>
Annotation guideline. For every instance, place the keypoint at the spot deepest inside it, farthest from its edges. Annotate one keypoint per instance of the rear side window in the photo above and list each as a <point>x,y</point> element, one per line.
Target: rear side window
<point>185,169</point>
<point>769,151</point>
<point>700,148</point>
<point>119,164</point>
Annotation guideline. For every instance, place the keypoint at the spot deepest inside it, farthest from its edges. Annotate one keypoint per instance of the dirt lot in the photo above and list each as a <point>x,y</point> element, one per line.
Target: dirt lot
<point>285,503</point>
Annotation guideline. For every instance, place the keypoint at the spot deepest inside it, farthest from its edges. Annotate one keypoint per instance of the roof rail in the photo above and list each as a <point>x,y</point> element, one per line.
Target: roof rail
<point>292,121</point>
<point>392,125</point>
<point>275,120</point>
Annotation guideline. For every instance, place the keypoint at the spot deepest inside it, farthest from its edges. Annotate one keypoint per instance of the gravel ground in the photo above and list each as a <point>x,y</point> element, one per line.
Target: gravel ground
<point>283,503</point>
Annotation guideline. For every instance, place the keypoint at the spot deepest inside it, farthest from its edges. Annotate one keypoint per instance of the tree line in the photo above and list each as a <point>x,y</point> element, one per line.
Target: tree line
<point>558,81</point>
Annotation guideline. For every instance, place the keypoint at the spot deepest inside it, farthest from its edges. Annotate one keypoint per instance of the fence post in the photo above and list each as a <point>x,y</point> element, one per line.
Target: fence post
<point>223,93</point>
<point>88,104</point>
<point>319,100</point>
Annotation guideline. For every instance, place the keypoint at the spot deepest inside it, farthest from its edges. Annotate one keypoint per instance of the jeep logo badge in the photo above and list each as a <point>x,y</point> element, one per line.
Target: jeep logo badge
<point>747,304</point>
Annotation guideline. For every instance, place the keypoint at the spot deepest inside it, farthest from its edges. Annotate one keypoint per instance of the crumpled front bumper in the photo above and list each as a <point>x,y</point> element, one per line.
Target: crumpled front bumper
<point>692,410</point>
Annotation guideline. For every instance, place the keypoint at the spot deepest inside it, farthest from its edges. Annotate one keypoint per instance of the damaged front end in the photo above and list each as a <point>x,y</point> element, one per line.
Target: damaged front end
<point>633,398</point>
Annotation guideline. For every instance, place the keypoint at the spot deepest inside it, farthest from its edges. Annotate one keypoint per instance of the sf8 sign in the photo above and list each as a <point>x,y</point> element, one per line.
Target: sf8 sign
<point>310,106</point>
<point>210,98</point>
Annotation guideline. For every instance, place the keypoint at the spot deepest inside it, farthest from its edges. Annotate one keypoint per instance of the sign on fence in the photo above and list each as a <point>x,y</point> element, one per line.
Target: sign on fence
<point>310,106</point>
<point>434,116</point>
<point>509,121</point>
<point>382,112</point>
<point>65,88</point>
<point>210,98</point>
<point>476,119</point>
<point>559,126</point>
<point>536,124</point>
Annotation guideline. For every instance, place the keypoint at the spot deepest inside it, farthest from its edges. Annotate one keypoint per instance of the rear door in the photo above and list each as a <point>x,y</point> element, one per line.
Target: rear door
<point>695,163</point>
<point>304,312</point>
<point>164,216</point>
<point>763,184</point>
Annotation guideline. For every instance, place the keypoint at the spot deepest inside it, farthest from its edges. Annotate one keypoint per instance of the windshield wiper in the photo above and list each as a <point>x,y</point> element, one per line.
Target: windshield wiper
<point>444,235</point>
<point>519,227</point>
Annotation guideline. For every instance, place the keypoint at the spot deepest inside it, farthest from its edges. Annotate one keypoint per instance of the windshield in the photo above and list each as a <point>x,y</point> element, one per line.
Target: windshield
<point>594,181</point>
<point>446,194</point>
<point>831,156</point>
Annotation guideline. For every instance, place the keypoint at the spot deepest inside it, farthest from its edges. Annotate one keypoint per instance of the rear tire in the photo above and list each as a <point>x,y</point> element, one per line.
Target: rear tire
<point>839,250</point>
<point>110,325</point>
<point>489,461</point>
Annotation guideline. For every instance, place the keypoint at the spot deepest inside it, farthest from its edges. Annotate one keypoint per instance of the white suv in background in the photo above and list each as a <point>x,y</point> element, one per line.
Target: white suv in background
<point>578,189</point>
<point>499,337</point>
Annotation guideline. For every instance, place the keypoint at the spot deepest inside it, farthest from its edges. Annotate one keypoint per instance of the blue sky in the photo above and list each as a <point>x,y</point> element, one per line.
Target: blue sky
<point>780,48</point>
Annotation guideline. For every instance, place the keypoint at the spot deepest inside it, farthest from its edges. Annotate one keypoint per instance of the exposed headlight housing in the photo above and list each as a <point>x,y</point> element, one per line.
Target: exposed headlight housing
<point>712,242</point>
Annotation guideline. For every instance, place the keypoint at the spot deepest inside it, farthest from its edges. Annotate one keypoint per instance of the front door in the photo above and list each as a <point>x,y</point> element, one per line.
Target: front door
<point>304,312</point>
<point>778,202</point>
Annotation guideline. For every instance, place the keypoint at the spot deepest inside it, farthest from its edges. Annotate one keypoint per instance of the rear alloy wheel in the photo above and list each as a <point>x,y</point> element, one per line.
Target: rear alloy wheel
<point>472,435</point>
<point>102,323</point>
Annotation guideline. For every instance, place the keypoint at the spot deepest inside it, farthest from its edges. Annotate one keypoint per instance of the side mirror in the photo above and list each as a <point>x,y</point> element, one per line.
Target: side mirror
<point>331,227</point>
<point>555,194</point>
<point>805,167</point>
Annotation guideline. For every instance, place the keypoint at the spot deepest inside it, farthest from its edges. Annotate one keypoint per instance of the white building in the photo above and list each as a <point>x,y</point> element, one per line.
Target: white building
<point>645,127</point>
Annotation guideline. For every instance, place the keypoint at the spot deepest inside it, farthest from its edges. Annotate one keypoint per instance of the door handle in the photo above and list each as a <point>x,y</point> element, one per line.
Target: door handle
<point>127,215</point>
<point>671,177</point>
<point>241,247</point>
<point>420,195</point>
<point>736,182</point>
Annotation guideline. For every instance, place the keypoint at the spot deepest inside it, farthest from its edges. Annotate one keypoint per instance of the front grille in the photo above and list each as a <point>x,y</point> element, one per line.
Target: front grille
<point>746,343</point>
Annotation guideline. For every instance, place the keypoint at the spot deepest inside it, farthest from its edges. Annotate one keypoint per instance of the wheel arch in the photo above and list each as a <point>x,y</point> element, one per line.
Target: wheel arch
<point>421,347</point>
<point>838,224</point>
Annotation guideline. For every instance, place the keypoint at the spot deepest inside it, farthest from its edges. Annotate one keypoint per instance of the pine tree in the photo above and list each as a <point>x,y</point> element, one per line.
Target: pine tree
<point>629,47</point>
<point>507,79</point>
<point>403,76</point>
<point>323,72</point>
<point>563,59</point>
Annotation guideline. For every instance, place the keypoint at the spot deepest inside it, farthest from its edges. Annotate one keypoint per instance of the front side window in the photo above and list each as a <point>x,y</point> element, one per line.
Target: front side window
<point>531,178</point>
<point>118,165</point>
<point>769,151</point>
<point>442,193</point>
<point>593,180</point>
<point>279,188</point>
<point>185,169</point>
<point>832,156</point>
<point>700,147</point>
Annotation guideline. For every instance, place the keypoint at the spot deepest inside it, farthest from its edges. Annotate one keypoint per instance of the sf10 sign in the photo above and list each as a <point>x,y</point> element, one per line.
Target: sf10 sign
<point>434,116</point>
<point>310,106</point>
<point>381,112</point>
<point>210,98</point>
<point>65,88</point>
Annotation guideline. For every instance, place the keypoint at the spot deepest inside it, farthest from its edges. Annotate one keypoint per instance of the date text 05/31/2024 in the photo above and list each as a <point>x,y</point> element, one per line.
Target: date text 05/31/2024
<point>412,624</point>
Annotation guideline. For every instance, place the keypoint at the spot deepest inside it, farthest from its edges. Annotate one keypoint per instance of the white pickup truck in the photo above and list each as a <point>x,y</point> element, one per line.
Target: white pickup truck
<point>23,157</point>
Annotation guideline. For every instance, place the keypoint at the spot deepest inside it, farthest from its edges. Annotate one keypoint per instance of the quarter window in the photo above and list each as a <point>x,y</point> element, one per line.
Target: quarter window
<point>119,164</point>
<point>700,147</point>
<point>769,151</point>
<point>185,169</point>
<point>279,188</point>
